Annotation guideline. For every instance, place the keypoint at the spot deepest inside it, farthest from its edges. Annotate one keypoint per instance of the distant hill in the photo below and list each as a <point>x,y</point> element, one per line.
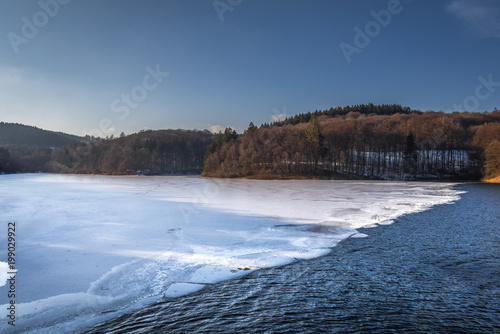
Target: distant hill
<point>13,134</point>
<point>25,148</point>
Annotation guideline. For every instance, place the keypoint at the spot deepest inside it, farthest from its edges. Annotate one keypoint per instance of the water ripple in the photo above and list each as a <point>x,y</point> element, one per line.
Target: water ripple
<point>432,272</point>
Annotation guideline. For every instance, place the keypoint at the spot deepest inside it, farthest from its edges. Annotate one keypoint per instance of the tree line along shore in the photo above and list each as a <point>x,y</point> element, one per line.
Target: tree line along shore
<point>387,142</point>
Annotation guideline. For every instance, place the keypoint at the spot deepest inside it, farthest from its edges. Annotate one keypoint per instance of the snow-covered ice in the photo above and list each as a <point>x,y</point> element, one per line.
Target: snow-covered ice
<point>4,273</point>
<point>89,248</point>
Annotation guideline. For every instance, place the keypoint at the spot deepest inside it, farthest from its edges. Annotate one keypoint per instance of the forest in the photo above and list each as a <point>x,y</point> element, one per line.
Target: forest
<point>388,142</point>
<point>367,141</point>
<point>26,148</point>
<point>149,152</point>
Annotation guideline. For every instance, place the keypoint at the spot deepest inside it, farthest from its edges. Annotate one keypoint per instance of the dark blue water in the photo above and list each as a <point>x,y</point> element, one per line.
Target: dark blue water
<point>432,272</point>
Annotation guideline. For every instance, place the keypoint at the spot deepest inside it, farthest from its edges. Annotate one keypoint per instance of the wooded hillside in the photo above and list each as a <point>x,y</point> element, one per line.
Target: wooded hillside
<point>26,148</point>
<point>363,141</point>
<point>383,145</point>
<point>148,152</point>
<point>12,134</point>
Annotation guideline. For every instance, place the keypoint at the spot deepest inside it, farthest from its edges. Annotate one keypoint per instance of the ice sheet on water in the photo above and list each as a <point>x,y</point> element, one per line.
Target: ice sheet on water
<point>5,273</point>
<point>359,235</point>
<point>93,247</point>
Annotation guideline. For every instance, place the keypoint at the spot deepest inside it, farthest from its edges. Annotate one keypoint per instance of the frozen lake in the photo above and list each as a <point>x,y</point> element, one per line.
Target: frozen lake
<point>89,248</point>
<point>436,271</point>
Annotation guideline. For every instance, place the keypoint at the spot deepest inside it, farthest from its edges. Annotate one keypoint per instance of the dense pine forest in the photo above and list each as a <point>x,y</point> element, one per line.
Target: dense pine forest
<point>366,141</point>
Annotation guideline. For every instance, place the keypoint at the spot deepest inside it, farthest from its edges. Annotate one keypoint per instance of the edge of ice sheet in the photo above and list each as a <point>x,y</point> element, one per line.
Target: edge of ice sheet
<point>301,220</point>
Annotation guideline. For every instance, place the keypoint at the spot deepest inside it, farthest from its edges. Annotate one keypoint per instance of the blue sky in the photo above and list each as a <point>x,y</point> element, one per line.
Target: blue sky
<point>106,66</point>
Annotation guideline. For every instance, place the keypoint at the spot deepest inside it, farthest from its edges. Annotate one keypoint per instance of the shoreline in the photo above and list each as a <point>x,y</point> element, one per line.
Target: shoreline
<point>383,207</point>
<point>493,180</point>
<point>297,261</point>
<point>336,177</point>
<point>217,287</point>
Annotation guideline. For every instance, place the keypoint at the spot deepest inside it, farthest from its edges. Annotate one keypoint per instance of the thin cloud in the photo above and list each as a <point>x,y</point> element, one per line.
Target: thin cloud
<point>213,128</point>
<point>482,16</point>
<point>216,128</point>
